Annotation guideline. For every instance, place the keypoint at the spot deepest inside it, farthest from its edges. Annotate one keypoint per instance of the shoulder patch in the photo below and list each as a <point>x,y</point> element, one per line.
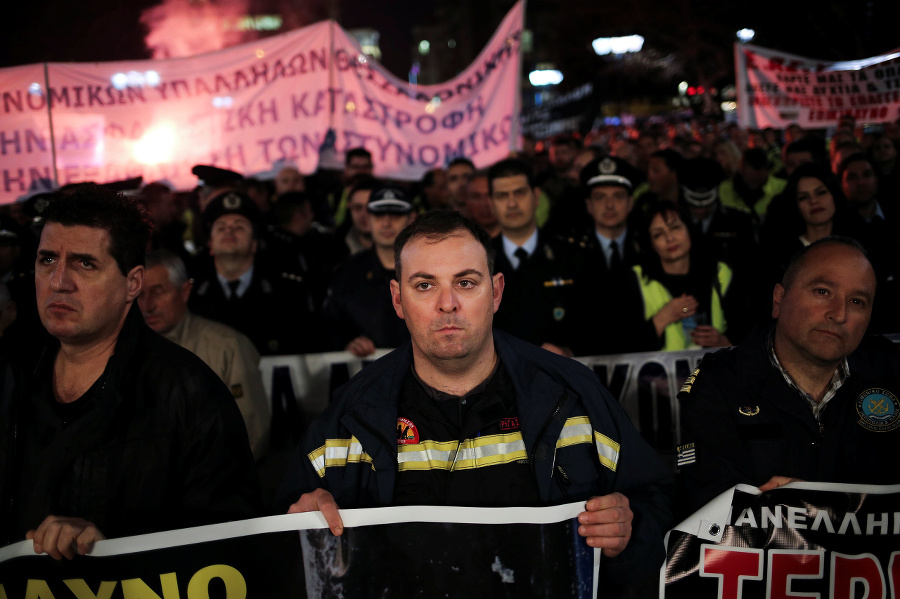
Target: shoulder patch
<point>879,410</point>
<point>689,381</point>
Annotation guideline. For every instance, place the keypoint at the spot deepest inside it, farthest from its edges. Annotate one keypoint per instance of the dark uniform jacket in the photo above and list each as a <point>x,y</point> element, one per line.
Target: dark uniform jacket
<point>157,443</point>
<point>313,256</point>
<point>540,296</point>
<point>576,438</point>
<point>742,423</point>
<point>359,304</point>
<point>276,312</point>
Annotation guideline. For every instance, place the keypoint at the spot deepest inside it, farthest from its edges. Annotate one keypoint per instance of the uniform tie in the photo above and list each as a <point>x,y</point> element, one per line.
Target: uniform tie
<point>233,286</point>
<point>615,257</point>
<point>522,255</point>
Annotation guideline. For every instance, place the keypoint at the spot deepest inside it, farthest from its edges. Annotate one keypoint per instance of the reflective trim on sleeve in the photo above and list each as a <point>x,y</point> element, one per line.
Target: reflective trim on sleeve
<point>578,430</point>
<point>337,453</point>
<point>482,452</point>
<point>608,450</point>
<point>575,430</point>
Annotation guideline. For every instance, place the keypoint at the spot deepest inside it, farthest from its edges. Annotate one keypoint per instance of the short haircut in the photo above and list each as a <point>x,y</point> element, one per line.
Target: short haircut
<point>437,225</point>
<point>461,160</point>
<point>428,178</point>
<point>565,139</point>
<point>799,258</point>
<point>173,264</point>
<point>510,167</point>
<point>674,160</point>
<point>855,157</point>
<point>365,183</point>
<point>287,205</point>
<point>755,158</point>
<point>357,153</point>
<point>126,221</point>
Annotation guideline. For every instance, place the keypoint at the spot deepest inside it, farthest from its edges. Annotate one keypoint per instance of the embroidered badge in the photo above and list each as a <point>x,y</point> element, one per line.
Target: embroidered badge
<point>231,201</point>
<point>407,433</point>
<point>689,381</point>
<point>607,166</point>
<point>687,454</point>
<point>559,314</point>
<point>878,410</point>
<point>748,410</point>
<point>237,390</point>
<point>509,424</point>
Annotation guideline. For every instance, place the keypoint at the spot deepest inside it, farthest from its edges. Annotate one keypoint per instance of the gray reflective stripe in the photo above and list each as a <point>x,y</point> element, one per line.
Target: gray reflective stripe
<point>470,453</point>
<point>337,453</point>
<point>608,450</point>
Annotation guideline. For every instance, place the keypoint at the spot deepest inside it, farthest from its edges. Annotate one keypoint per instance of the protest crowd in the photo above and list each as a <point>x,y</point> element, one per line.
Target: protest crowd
<point>655,237</point>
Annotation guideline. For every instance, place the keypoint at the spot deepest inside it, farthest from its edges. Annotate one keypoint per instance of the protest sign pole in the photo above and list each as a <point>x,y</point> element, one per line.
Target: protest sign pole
<point>50,121</point>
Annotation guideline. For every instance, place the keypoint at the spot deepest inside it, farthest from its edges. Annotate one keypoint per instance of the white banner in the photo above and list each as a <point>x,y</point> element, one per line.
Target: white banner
<point>776,89</point>
<point>248,107</point>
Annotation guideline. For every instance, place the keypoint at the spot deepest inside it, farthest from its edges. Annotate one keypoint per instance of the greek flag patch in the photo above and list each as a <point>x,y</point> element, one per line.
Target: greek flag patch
<point>687,455</point>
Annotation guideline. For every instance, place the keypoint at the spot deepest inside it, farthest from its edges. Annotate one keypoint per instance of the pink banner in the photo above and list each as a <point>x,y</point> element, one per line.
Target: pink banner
<point>248,107</point>
<point>776,89</point>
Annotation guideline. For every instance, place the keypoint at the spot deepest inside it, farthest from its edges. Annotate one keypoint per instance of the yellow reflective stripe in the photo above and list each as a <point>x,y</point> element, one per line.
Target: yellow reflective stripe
<point>575,430</point>
<point>485,451</point>
<point>608,450</point>
<point>337,453</point>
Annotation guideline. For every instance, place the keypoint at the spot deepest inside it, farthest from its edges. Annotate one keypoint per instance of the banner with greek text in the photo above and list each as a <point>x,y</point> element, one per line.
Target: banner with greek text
<point>799,540</point>
<point>645,384</point>
<point>383,552</point>
<point>776,89</point>
<point>249,107</point>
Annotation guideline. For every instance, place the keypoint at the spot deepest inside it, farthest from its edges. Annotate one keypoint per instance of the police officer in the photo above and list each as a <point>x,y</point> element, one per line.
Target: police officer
<point>800,400</point>
<point>540,272</point>
<point>358,310</point>
<point>273,308</point>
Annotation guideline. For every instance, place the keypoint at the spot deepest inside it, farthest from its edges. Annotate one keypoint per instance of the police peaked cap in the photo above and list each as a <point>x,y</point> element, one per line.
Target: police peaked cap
<point>700,179</point>
<point>231,202</point>
<point>609,170</point>
<point>214,176</point>
<point>389,200</point>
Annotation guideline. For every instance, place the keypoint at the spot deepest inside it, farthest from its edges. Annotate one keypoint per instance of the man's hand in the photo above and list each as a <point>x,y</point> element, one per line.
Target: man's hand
<point>606,523</point>
<point>320,500</point>
<point>62,537</point>
<point>777,481</point>
<point>361,347</point>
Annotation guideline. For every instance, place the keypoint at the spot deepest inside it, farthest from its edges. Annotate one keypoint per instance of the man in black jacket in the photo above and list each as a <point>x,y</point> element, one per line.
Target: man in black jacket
<point>803,400</point>
<point>118,431</point>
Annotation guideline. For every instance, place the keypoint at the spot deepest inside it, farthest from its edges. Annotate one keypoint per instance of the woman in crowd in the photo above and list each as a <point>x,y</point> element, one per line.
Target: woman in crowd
<point>814,208</point>
<point>682,294</point>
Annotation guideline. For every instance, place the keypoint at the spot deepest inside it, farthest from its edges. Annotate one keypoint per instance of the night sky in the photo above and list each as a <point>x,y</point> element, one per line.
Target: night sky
<point>99,30</point>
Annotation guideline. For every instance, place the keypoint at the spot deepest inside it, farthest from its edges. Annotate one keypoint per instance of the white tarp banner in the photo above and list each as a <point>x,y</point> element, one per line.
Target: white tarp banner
<point>248,107</point>
<point>776,89</point>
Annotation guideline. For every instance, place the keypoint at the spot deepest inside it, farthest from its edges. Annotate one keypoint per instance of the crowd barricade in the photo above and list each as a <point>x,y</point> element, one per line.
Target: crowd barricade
<point>645,384</point>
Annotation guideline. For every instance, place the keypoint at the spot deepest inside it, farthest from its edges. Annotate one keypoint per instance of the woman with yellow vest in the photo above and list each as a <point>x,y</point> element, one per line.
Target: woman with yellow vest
<point>683,294</point>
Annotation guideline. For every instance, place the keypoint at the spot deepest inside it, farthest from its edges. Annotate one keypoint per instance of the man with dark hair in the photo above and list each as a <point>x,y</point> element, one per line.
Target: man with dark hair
<point>802,399</point>
<point>295,243</point>
<point>662,174</point>
<point>541,272</point>
<point>357,164</point>
<point>753,187</point>
<point>477,204</point>
<point>464,415</point>
<point>118,431</point>
<point>459,172</point>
